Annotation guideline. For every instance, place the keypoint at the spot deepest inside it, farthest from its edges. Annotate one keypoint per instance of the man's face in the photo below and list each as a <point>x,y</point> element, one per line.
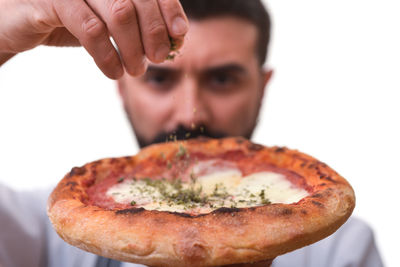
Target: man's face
<point>214,86</point>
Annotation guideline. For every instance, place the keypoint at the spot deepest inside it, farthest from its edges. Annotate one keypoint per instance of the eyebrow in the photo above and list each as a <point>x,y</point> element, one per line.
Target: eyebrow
<point>231,67</point>
<point>235,68</point>
<point>154,68</point>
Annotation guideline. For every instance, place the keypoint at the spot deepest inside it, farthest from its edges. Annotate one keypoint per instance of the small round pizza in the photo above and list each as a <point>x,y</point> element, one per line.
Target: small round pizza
<point>202,202</point>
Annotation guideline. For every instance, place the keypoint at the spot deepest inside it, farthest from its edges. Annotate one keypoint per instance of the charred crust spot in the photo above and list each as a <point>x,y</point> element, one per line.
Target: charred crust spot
<point>280,149</point>
<point>71,184</point>
<point>285,211</point>
<point>185,215</point>
<point>329,179</point>
<point>323,184</point>
<point>130,211</point>
<point>312,165</point>
<point>180,214</point>
<point>318,204</point>
<point>304,212</point>
<point>318,195</point>
<point>77,171</point>
<point>254,147</point>
<point>226,210</point>
<point>323,175</point>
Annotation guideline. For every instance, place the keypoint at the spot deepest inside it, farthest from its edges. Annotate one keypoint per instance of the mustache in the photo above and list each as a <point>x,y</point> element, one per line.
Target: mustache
<point>183,133</point>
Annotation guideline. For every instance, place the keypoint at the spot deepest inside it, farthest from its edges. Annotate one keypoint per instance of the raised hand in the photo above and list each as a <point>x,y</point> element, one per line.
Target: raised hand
<point>140,28</point>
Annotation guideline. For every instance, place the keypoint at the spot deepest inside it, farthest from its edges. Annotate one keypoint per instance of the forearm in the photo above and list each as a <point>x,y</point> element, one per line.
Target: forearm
<point>4,57</point>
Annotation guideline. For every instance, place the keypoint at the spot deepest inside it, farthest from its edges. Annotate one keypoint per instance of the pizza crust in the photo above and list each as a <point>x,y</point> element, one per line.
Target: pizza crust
<point>224,236</point>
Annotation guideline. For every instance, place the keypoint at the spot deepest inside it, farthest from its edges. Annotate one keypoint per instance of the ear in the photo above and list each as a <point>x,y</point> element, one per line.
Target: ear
<point>266,75</point>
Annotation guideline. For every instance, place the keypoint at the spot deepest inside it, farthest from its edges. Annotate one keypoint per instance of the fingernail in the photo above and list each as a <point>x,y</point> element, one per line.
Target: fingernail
<point>179,26</point>
<point>162,52</point>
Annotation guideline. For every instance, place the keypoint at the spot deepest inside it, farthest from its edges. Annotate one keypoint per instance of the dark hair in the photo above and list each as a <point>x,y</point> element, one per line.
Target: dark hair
<point>252,11</point>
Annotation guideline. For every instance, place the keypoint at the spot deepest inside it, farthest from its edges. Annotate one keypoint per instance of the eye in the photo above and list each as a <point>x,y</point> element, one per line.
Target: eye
<point>221,79</point>
<point>221,82</point>
<point>156,78</point>
<point>159,80</point>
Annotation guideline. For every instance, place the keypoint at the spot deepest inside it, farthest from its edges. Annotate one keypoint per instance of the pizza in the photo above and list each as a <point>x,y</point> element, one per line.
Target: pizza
<point>201,202</point>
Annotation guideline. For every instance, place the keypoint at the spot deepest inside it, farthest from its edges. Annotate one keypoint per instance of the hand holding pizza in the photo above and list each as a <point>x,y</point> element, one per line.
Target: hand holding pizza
<point>140,29</point>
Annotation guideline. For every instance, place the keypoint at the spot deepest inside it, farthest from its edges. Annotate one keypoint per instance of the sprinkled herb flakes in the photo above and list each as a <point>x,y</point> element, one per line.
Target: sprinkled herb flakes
<point>181,152</point>
<point>191,194</point>
<point>161,193</point>
<point>173,48</point>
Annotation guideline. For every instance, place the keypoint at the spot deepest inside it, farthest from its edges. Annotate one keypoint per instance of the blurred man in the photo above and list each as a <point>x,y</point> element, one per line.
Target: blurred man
<point>213,87</point>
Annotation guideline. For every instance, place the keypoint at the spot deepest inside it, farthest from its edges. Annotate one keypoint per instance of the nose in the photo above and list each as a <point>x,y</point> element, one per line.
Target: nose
<point>190,107</point>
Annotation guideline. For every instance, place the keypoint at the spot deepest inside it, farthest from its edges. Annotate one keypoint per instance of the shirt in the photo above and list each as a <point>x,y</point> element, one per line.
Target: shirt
<point>28,239</point>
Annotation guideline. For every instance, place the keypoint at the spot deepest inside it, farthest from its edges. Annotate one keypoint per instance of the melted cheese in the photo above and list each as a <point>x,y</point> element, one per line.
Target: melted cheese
<point>225,188</point>
<point>229,179</point>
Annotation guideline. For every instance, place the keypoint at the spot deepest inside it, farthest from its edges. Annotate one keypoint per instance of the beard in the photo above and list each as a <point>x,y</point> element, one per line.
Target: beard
<point>180,133</point>
<point>183,133</point>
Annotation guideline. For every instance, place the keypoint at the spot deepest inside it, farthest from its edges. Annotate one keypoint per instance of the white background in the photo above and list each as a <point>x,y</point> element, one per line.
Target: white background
<point>334,95</point>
